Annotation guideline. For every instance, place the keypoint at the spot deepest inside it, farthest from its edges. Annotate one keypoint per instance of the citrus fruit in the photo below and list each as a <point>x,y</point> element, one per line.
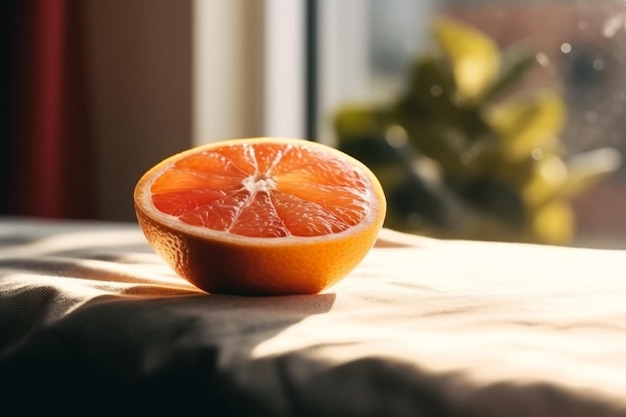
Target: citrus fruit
<point>261,216</point>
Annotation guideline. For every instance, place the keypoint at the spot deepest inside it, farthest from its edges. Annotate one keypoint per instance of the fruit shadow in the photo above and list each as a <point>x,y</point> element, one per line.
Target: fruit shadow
<point>139,343</point>
<point>136,306</point>
<point>232,324</point>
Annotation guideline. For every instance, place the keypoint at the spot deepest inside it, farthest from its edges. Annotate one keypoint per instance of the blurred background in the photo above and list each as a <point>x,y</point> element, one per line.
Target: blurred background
<point>485,119</point>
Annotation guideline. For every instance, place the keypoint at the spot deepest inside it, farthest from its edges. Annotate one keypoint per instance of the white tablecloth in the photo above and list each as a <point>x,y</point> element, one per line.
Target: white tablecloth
<point>91,319</point>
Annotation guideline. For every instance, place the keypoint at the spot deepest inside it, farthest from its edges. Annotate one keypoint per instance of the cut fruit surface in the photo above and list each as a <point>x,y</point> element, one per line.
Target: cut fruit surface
<point>261,216</point>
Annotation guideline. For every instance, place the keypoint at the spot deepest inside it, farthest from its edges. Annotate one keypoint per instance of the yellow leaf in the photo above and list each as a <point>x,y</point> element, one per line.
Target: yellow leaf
<point>474,56</point>
<point>588,168</point>
<point>554,223</point>
<point>550,175</point>
<point>528,124</point>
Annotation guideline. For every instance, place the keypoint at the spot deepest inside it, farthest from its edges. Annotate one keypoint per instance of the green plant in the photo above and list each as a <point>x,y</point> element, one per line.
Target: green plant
<point>462,154</point>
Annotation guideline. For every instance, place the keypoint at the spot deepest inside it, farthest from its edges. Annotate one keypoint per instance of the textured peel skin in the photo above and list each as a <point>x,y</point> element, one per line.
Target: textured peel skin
<point>218,261</point>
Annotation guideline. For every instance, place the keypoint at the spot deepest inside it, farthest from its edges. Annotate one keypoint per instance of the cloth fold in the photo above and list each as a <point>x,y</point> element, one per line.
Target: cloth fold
<point>91,318</point>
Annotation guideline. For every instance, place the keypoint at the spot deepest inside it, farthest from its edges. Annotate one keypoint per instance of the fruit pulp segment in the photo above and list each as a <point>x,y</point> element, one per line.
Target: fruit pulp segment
<point>264,190</point>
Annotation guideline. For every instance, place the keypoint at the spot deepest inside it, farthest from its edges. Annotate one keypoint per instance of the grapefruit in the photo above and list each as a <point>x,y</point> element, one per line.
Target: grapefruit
<point>260,216</point>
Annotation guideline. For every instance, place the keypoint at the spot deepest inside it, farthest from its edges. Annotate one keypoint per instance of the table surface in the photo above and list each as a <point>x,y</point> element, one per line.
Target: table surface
<point>89,315</point>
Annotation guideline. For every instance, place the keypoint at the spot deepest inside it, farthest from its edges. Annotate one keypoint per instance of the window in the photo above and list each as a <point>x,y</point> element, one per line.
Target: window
<point>365,50</point>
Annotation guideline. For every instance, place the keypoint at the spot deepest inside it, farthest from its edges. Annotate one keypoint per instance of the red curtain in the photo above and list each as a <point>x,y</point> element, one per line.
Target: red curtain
<point>52,169</point>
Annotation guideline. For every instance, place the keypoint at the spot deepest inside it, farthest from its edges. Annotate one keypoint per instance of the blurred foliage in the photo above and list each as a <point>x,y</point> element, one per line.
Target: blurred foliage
<point>460,156</point>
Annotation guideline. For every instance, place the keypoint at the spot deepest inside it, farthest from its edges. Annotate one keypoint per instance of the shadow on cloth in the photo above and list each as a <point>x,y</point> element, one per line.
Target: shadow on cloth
<point>118,352</point>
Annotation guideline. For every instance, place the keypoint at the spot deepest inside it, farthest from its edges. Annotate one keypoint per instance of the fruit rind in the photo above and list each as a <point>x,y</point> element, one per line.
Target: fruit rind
<point>220,262</point>
<point>228,268</point>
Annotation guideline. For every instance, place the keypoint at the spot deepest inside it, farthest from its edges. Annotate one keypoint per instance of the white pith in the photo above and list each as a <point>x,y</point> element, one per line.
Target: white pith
<point>259,183</point>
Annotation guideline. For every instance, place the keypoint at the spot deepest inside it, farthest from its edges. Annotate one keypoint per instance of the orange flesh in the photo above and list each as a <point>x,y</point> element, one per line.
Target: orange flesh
<point>263,190</point>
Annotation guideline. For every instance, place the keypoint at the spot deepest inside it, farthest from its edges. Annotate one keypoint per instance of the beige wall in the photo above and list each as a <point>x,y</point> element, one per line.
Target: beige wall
<point>169,74</point>
<point>140,69</point>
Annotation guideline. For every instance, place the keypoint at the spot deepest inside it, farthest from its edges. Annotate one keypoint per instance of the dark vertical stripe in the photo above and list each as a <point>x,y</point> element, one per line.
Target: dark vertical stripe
<point>311,90</point>
<point>7,39</point>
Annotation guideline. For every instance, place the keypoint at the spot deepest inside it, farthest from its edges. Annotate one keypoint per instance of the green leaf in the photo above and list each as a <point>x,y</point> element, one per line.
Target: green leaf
<point>359,121</point>
<point>516,61</point>
<point>430,93</point>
